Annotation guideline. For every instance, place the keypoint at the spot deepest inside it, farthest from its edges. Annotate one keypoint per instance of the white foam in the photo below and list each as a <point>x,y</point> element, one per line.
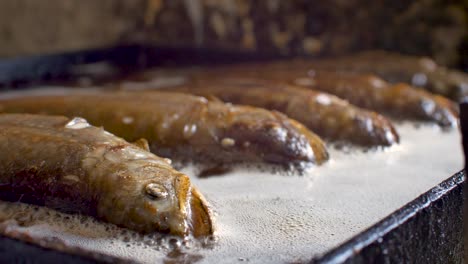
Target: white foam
<point>276,218</point>
<point>323,99</point>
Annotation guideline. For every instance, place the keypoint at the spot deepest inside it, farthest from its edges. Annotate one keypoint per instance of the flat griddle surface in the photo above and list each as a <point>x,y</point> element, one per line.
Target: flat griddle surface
<point>266,217</point>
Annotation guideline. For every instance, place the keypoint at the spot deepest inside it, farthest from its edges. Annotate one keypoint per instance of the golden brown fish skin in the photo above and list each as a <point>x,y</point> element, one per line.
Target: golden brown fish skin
<point>401,100</point>
<point>398,68</point>
<point>329,116</point>
<point>363,90</point>
<point>187,127</point>
<point>74,167</point>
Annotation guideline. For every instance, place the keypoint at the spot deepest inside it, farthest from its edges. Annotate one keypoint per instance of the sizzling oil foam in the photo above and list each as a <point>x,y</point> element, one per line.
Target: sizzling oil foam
<point>264,217</point>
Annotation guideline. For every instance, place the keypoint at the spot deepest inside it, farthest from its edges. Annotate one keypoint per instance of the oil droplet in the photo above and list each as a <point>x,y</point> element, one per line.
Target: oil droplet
<point>189,130</point>
<point>428,106</point>
<point>376,82</point>
<point>77,123</point>
<point>228,142</point>
<point>128,120</point>
<point>323,99</point>
<point>419,79</point>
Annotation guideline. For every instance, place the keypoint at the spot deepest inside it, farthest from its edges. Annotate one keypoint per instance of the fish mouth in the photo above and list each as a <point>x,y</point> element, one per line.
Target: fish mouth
<point>196,218</point>
<point>201,221</point>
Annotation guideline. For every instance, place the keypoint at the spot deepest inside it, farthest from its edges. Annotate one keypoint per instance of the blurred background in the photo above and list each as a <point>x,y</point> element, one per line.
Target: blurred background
<point>438,28</point>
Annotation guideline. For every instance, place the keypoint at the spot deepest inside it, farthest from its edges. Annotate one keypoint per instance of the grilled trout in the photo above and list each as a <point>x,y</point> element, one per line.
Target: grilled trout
<point>396,68</point>
<point>327,115</point>
<point>186,127</point>
<point>367,91</point>
<point>69,165</point>
<point>399,100</point>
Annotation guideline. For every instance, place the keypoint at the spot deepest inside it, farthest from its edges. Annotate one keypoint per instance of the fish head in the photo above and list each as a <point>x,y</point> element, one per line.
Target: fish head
<point>165,201</point>
<point>172,204</point>
<point>135,189</point>
<point>272,137</point>
<point>161,202</point>
<point>144,193</point>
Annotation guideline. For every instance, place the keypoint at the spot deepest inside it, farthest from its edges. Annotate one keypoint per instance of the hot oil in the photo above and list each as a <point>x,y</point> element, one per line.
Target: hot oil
<point>78,231</point>
<point>275,217</point>
<point>264,217</point>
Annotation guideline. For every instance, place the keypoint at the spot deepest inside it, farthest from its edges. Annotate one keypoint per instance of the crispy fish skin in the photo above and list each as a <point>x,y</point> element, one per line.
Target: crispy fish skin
<point>74,167</point>
<point>396,68</point>
<point>399,100</point>
<point>187,127</point>
<point>327,115</point>
<point>364,90</point>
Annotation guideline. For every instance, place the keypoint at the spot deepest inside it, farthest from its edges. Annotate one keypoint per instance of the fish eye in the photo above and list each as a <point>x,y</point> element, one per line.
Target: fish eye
<point>156,191</point>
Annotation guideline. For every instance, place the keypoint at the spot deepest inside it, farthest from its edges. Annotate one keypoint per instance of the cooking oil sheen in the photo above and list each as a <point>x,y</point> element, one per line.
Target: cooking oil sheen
<point>265,217</point>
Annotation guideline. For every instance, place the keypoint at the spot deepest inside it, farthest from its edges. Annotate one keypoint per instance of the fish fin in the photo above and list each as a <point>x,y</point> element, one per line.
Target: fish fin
<point>142,143</point>
<point>213,98</point>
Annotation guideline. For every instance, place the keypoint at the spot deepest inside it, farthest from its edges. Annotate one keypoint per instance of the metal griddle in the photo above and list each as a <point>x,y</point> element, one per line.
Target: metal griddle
<point>427,229</point>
